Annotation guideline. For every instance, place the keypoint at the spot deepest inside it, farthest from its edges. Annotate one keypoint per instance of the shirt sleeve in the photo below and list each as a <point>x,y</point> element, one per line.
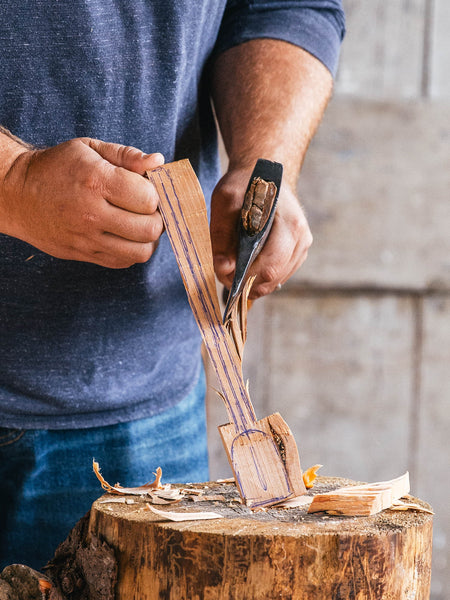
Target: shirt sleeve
<point>317,26</point>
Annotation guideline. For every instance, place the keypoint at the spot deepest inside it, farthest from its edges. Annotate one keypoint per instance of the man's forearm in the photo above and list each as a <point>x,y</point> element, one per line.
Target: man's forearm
<point>10,148</point>
<point>269,97</point>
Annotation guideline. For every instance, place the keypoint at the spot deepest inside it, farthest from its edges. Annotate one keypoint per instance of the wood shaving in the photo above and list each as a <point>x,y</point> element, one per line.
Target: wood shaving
<point>45,587</point>
<point>184,516</point>
<point>135,491</point>
<point>405,505</point>
<point>309,476</point>
<point>192,492</point>
<point>298,502</point>
<point>156,498</point>
<point>237,322</point>
<point>168,493</point>
<point>216,498</point>
<point>121,500</point>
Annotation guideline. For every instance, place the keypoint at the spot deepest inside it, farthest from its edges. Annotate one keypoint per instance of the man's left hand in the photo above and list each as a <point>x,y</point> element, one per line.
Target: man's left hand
<point>286,247</point>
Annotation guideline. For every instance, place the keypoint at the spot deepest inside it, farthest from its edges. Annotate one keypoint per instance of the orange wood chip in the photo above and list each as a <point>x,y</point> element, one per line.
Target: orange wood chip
<point>309,476</point>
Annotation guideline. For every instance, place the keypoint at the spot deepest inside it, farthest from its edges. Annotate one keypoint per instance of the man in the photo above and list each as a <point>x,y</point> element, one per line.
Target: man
<point>99,352</point>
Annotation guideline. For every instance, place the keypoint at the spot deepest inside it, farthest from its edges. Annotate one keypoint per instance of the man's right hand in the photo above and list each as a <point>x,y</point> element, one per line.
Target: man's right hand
<point>83,200</point>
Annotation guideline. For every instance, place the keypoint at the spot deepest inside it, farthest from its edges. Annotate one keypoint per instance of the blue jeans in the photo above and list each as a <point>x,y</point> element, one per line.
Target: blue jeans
<point>47,482</point>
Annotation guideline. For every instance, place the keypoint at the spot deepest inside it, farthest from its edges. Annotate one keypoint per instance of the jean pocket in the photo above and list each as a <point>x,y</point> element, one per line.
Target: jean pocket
<point>10,436</point>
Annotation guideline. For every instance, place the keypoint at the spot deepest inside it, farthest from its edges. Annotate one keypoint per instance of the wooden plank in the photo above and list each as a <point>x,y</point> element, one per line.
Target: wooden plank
<point>433,435</point>
<point>341,373</point>
<point>383,51</point>
<point>439,80</point>
<point>375,187</point>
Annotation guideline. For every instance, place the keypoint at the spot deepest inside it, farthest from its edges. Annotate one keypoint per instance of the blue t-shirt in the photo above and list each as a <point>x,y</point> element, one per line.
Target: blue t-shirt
<point>82,345</point>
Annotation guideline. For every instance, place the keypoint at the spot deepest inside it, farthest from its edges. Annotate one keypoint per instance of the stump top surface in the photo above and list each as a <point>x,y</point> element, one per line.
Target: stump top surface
<point>240,520</point>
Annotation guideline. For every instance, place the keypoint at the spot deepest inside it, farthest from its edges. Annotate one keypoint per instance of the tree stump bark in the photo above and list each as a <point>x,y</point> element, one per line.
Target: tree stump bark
<point>278,553</point>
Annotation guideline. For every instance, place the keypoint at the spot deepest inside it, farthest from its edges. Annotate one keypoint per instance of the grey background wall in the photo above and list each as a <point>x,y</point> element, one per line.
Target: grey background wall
<point>355,350</point>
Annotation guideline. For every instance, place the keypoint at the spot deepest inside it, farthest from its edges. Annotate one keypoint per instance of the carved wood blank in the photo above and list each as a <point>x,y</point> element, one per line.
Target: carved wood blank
<point>262,453</point>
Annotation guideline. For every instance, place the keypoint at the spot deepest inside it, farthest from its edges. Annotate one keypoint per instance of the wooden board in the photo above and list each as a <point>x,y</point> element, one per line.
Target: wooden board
<point>267,555</point>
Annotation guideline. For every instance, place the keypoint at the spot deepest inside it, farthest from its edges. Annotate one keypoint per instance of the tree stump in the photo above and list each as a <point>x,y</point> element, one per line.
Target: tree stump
<point>277,553</point>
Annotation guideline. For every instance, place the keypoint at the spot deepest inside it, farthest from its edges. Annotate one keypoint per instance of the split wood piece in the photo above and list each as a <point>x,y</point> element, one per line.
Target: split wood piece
<point>266,555</point>
<point>262,454</point>
<point>361,500</point>
<point>237,324</point>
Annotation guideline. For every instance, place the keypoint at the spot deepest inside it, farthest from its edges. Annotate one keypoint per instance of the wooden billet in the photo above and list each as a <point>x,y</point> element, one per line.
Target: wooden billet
<point>361,500</point>
<point>262,454</point>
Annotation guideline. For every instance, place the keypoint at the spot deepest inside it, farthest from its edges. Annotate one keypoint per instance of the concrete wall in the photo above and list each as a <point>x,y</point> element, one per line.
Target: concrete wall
<point>355,350</point>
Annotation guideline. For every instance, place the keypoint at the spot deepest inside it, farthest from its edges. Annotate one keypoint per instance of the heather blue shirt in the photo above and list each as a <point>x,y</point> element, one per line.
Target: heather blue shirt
<point>82,345</point>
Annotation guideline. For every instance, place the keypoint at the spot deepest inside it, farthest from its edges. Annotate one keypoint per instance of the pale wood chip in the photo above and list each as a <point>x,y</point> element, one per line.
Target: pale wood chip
<point>402,505</point>
<point>217,498</point>
<point>154,499</point>
<point>298,502</point>
<point>184,516</point>
<point>192,492</point>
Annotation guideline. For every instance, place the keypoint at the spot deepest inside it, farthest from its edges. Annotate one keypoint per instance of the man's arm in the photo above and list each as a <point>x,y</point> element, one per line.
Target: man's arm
<point>82,200</point>
<point>269,97</point>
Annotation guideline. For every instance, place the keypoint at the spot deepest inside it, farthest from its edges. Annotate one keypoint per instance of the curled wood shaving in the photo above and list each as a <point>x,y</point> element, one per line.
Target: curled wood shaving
<point>309,476</point>
<point>136,491</point>
<point>184,516</point>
